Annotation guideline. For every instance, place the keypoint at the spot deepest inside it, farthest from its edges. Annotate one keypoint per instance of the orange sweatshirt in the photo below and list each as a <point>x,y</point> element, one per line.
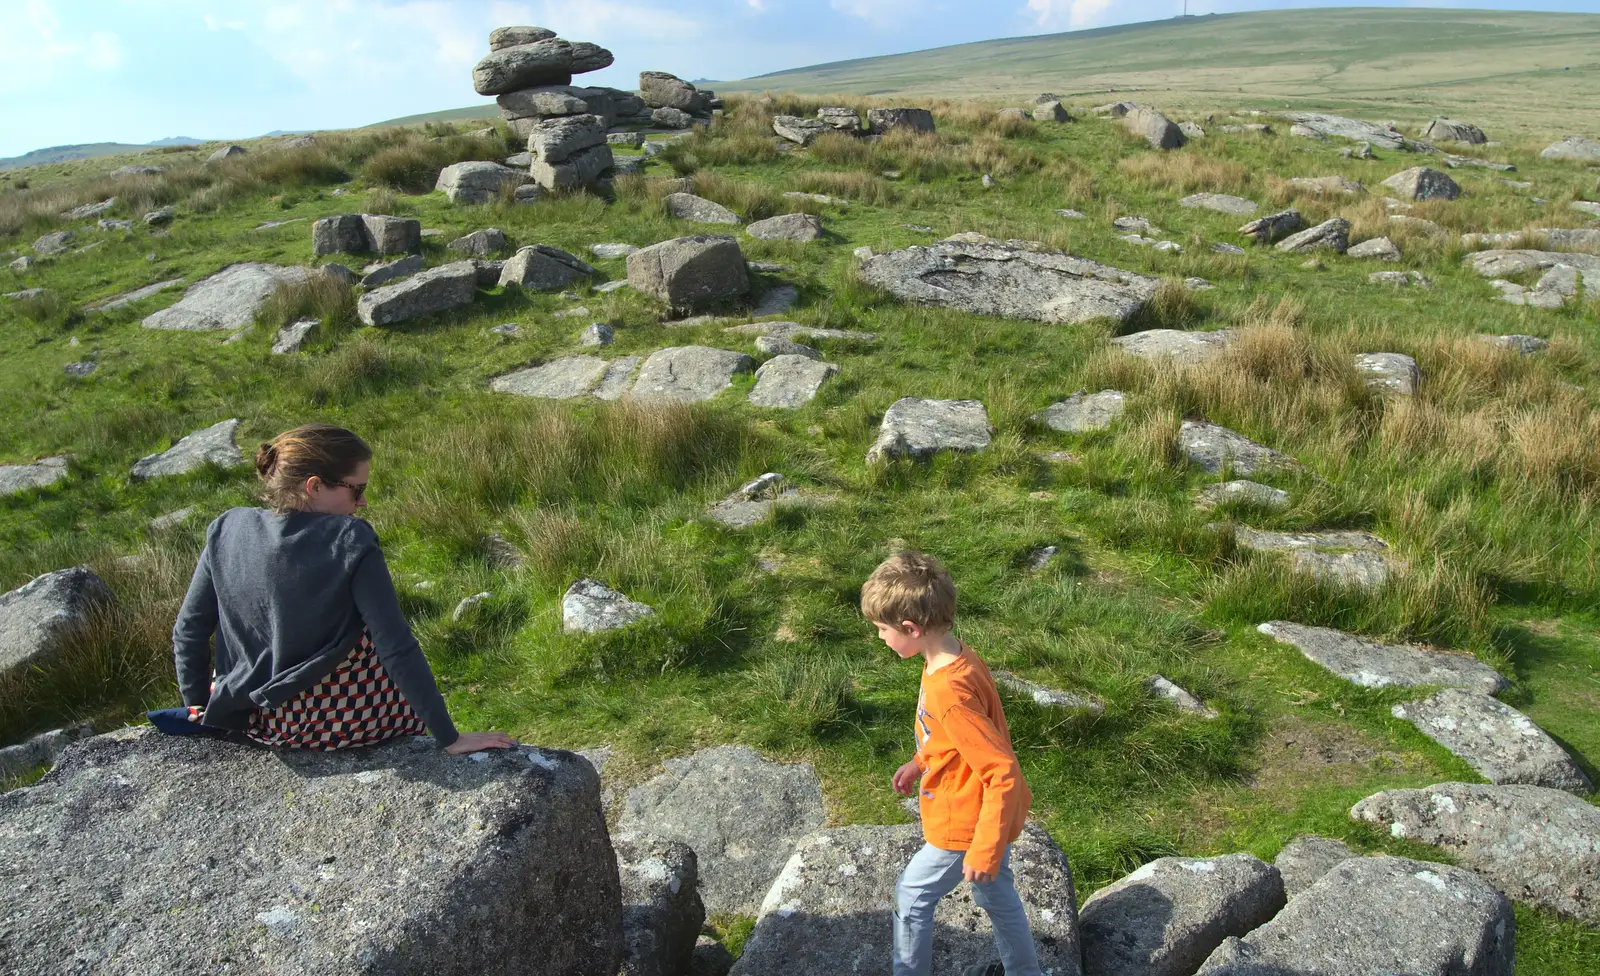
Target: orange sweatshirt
<point>973,797</point>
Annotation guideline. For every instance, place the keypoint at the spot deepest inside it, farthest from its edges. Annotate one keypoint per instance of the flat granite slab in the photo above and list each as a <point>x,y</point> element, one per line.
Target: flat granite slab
<point>1374,665</point>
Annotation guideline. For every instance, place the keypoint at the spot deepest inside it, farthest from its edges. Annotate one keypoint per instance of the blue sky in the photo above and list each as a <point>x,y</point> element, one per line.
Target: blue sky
<point>75,71</point>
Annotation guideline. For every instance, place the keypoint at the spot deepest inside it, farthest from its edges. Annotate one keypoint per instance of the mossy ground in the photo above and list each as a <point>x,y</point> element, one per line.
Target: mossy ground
<point>1486,483</point>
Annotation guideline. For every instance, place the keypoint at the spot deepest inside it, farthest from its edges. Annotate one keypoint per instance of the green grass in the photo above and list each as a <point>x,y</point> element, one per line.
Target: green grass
<point>1487,484</point>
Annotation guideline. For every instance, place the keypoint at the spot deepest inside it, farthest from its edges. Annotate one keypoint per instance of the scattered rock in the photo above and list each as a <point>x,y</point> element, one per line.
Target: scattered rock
<point>618,379</point>
<point>1179,697</point>
<point>1273,227</point>
<point>22,265</point>
<point>794,330</point>
<point>480,243</point>
<point>80,368</point>
<point>916,428</point>
<point>740,814</point>
<point>227,153</point>
<point>1242,493</point>
<point>1327,186</point>
<point>1306,132</point>
<point>1522,345</point>
<point>1214,448</point>
<point>789,227</point>
<point>1501,743</point>
<point>1051,111</point>
<point>611,251</point>
<point>479,181</point>
<point>1415,223</point>
<point>1423,183</point>
<point>53,243</point>
<point>1400,279</point>
<point>752,503</point>
<point>122,172</point>
<point>1136,225</point>
<point>671,118</point>
<point>1575,148</point>
<point>210,445</point>
<point>1221,203</point>
<point>690,273</point>
<point>540,267</point>
<point>41,750</point>
<point>687,374</point>
<point>291,337</point>
<point>1378,249</point>
<point>366,234</point>
<point>1380,915</point>
<point>1374,665</point>
<point>1389,372</point>
<point>1382,136</point>
<point>661,908</point>
<point>1191,130</point>
<point>687,206</point>
<point>1331,235</point>
<point>840,119</point>
<point>597,334</point>
<point>559,379</point>
<point>16,478</point>
<point>1307,858</point>
<point>1165,918</point>
<point>881,121</point>
<point>425,293</point>
<point>591,607</point>
<point>1154,128</point>
<point>1084,412</point>
<point>1356,560</point>
<point>1448,130</point>
<point>115,225</point>
<point>380,274</point>
<point>1187,348</point>
<point>469,604</point>
<point>172,520</point>
<point>128,298</point>
<point>1041,557</point>
<point>37,616</point>
<point>1046,697</point>
<point>802,132</point>
<point>1361,150</point>
<point>778,346</point>
<point>789,382</point>
<point>1114,110</point>
<point>519,834</point>
<point>1457,161</point>
<point>1537,845</point>
<point>1223,247</point>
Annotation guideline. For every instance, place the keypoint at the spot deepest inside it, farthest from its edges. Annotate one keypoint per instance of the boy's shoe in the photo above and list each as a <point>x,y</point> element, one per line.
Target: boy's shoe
<point>985,969</point>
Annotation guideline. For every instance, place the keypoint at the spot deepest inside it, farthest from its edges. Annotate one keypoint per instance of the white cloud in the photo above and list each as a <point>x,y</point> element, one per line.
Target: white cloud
<point>35,53</point>
<point>879,13</point>
<point>1069,13</point>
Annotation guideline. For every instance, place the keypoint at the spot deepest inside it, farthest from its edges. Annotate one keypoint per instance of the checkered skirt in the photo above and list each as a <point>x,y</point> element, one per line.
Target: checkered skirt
<point>356,705</point>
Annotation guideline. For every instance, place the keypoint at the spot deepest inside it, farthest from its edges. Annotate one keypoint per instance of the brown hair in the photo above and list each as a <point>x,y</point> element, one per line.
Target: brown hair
<point>315,450</point>
<point>910,586</point>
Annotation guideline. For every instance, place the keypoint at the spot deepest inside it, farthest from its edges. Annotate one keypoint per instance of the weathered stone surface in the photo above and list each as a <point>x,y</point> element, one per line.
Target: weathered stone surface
<point>1114,110</point>
<point>381,273</point>
<point>789,382</point>
<point>543,62</point>
<point>1374,665</point>
<point>40,750</point>
<point>691,273</point>
<point>1306,132</point>
<point>1187,348</point>
<point>1508,263</point>
<point>54,242</point>
<point>292,336</point>
<point>210,445</point>
<point>426,293</point>
<point>560,379</point>
<point>663,90</point>
<point>135,170</point>
<point>799,227</point>
<point>802,132</point>
<point>596,334</point>
<point>587,57</point>
<point>1448,130</point>
<point>687,206</point>
<point>1501,743</point>
<point>518,835</point>
<point>226,153</point>
<point>1154,128</point>
<point>1376,249</point>
<point>1333,235</point>
<point>1191,130</point>
<point>1084,411</point>
<point>618,379</point>
<point>1011,279</point>
<point>776,300</point>
<point>1307,858</point>
<point>840,119</point>
<point>479,181</point>
<point>1576,148</point>
<point>504,37</point>
<point>1456,161</point>
<point>1401,279</point>
<point>794,330</point>
<point>1165,918</point>
<point>1214,448</point>
<point>1046,697</point>
<point>540,267</point>
<point>1221,203</point>
<point>1373,915</point>
<point>366,233</point>
<point>778,346</point>
<point>1382,136</point>
<point>160,217</point>
<point>831,909</point>
<point>1522,345</point>
<point>610,251</point>
<point>1389,372</point>
<point>1242,493</point>
<point>882,121</point>
<point>1051,111</point>
<point>543,102</point>
<point>1537,845</point>
<point>1327,186</point>
<point>37,616</point>
<point>16,478</point>
<point>128,298</point>
<point>558,140</point>
<point>1273,227</point>
<point>661,909</point>
<point>584,168</point>
<point>89,211</point>
<point>916,428</point>
<point>1180,698</point>
<point>591,607</point>
<point>753,502</point>
<point>687,374</point>
<point>740,813</point>
<point>1423,183</point>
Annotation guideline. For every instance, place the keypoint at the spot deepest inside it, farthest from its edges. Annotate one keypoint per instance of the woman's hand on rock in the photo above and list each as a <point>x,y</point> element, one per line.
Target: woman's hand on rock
<point>479,741</point>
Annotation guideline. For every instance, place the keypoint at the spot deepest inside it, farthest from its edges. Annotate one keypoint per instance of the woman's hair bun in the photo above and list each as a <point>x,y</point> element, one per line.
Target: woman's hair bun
<point>266,460</point>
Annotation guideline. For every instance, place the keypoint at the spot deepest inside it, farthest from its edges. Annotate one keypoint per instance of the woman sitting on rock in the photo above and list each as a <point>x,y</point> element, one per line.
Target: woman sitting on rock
<point>311,649</point>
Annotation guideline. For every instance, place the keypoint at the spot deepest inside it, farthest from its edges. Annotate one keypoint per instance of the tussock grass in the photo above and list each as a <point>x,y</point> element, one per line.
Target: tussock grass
<point>1186,172</point>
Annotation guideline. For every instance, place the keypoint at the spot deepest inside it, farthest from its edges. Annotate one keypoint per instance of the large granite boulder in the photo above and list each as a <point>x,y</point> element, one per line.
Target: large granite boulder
<point>1010,279</point>
<point>663,90</point>
<point>831,910</point>
<point>559,139</point>
<point>691,273</point>
<point>1380,915</point>
<point>790,381</point>
<point>426,293</point>
<point>661,908</point>
<point>1154,128</point>
<point>1330,235</point>
<point>1422,183</point>
<point>1165,918</point>
<point>1273,227</point>
<point>1535,844</point>
<point>688,374</point>
<point>800,227</point>
<point>550,61</point>
<point>882,121</point>
<point>916,428</point>
<point>1449,130</point>
<point>801,132</point>
<point>740,813</point>
<point>1388,373</point>
<point>142,853</point>
<point>1575,148</point>
<point>16,478</point>
<point>216,445</point>
<point>1374,665</point>
<point>1213,448</point>
<point>478,181</point>
<point>504,37</point>
<point>367,234</point>
<point>540,267</point>
<point>228,300</point>
<point>36,616</point>
<point>543,102</point>
<point>1501,743</point>
<point>1304,860</point>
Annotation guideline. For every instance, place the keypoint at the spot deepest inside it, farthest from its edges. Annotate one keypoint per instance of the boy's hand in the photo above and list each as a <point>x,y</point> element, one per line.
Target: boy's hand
<point>905,778</point>
<point>978,877</point>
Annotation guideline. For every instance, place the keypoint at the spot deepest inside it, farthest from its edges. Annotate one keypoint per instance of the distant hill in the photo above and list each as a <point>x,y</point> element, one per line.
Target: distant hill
<point>63,154</point>
<point>488,110</point>
<point>1518,71</point>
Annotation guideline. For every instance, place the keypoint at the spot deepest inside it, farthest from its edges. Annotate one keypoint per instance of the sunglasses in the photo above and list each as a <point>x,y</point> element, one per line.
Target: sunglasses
<point>356,491</point>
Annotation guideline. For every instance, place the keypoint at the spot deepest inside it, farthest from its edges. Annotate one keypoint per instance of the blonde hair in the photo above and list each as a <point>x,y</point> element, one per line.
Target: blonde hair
<point>313,451</point>
<point>910,586</point>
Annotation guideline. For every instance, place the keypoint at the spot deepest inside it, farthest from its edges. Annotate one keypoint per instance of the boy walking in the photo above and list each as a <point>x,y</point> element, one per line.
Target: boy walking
<point>972,796</point>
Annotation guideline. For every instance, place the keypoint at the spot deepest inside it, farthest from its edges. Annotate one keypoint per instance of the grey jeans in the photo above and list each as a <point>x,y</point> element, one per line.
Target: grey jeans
<point>934,873</point>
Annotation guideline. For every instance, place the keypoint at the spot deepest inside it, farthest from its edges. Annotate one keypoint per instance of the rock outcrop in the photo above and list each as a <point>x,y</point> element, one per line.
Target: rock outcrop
<point>661,908</point>
<point>1501,743</point>
<point>1154,128</point>
<point>477,182</point>
<point>1449,130</point>
<point>37,616</point>
<point>1371,664</point>
<point>366,234</point>
<point>1213,448</point>
<point>688,374</point>
<point>916,428</point>
<point>426,293</point>
<point>16,478</point>
<point>1304,860</point>
<point>216,445</point>
<point>691,274</point>
<point>227,300</point>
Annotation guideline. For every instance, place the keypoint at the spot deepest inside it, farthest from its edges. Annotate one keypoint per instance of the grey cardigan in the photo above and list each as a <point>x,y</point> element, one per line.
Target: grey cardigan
<point>287,597</point>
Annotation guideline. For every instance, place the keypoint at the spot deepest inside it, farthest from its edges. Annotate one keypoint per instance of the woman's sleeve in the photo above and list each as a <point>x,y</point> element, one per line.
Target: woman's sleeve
<point>396,647</point>
<point>191,634</point>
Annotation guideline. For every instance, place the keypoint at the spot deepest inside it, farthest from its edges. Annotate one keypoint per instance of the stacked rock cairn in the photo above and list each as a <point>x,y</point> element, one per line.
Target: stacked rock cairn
<point>529,71</point>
